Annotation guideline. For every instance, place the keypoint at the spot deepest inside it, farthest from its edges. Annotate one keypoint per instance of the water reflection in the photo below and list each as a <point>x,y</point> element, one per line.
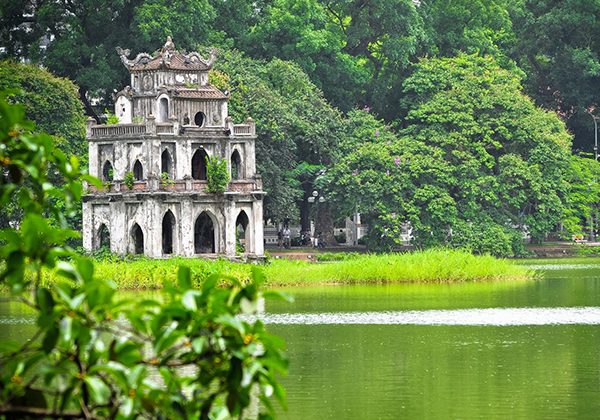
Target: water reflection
<point>481,317</point>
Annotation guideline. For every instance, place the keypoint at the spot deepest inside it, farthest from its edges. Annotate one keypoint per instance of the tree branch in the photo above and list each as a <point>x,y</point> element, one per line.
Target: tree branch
<point>40,412</point>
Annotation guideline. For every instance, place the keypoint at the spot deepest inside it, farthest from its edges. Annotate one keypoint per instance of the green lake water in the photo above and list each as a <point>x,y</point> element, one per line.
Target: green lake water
<point>360,370</point>
<point>479,350</point>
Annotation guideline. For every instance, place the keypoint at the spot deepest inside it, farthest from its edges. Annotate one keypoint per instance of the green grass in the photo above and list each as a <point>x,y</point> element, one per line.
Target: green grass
<point>431,266</point>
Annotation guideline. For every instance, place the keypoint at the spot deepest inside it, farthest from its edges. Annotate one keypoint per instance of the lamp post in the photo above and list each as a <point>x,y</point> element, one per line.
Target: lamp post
<point>595,118</point>
<point>316,198</point>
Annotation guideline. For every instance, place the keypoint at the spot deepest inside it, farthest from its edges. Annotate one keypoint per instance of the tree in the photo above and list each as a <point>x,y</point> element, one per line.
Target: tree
<point>93,355</point>
<point>583,199</point>
<point>385,36</point>
<point>52,103</point>
<point>468,26</point>
<point>297,130</point>
<point>476,156</point>
<point>558,44</point>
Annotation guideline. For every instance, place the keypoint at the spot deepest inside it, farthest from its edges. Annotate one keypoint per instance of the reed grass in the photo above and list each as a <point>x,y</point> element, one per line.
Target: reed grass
<point>429,266</point>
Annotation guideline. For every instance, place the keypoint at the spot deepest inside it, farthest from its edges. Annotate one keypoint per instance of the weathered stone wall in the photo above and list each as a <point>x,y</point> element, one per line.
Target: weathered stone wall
<point>120,212</point>
<point>123,153</point>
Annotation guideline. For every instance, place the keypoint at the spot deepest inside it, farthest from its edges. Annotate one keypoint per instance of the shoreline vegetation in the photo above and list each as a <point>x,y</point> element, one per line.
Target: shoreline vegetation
<point>428,266</point>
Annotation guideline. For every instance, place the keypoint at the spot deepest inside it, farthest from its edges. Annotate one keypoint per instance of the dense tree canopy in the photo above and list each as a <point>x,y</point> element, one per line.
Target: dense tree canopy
<point>377,56</point>
<point>476,156</point>
<point>51,102</point>
<point>558,43</point>
<point>358,53</point>
<point>581,213</point>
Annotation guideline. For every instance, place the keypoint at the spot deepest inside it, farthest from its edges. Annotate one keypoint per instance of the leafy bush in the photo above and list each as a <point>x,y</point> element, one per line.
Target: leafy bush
<point>165,180</point>
<point>216,174</point>
<point>129,180</point>
<point>110,117</point>
<point>184,355</point>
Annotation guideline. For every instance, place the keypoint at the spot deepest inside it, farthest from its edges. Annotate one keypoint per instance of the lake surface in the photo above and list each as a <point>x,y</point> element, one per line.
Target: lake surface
<point>479,350</point>
<point>487,350</point>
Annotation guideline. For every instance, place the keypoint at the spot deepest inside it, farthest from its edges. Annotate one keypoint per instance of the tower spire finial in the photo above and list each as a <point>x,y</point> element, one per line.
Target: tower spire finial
<point>169,45</point>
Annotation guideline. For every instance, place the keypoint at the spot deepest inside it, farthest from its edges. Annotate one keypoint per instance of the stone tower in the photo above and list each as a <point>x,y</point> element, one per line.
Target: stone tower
<point>153,166</point>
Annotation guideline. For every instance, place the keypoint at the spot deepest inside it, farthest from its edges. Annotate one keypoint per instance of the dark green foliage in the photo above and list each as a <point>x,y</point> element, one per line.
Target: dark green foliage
<point>583,200</point>
<point>187,354</point>
<point>477,163</point>
<point>51,102</point>
<point>129,180</point>
<point>557,46</point>
<point>362,55</point>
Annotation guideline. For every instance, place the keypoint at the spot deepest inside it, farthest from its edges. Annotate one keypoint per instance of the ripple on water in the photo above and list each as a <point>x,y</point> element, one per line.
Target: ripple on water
<point>16,320</point>
<point>476,317</point>
<point>562,266</point>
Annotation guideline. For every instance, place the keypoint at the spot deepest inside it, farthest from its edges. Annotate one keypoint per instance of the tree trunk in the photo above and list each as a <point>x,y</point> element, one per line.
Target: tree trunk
<point>89,110</point>
<point>324,223</point>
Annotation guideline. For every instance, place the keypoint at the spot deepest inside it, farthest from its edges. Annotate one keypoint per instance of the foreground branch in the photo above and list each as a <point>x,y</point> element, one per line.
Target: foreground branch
<point>40,412</point>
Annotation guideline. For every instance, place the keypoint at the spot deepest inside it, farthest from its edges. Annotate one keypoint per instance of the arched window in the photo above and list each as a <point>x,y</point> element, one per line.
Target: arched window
<point>199,119</point>
<point>166,162</point>
<point>199,164</point>
<point>137,239</point>
<point>107,171</point>
<point>103,237</point>
<point>236,165</point>
<point>138,171</point>
<point>241,224</point>
<point>204,234</point>
<point>163,110</point>
<point>168,225</point>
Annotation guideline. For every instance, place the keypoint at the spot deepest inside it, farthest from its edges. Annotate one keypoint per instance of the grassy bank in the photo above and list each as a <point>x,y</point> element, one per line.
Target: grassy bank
<point>432,266</point>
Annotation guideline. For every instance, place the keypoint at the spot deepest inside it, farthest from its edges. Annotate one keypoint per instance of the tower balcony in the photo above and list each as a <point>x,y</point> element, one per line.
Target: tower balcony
<point>242,186</point>
<point>173,128</point>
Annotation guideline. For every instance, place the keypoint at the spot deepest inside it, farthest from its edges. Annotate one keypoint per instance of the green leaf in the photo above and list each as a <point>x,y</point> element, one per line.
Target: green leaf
<point>50,339</point>
<point>126,408</point>
<point>66,328</point>
<point>198,344</point>
<point>189,300</point>
<point>184,278</point>
<point>85,268</point>
<point>9,346</point>
<point>99,391</point>
<point>44,300</point>
<point>210,283</point>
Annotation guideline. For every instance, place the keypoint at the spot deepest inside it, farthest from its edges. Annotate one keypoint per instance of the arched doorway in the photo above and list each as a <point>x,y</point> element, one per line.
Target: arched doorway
<point>168,225</point>
<point>236,165</point>
<point>107,171</point>
<point>241,227</point>
<point>199,119</point>
<point>103,237</point>
<point>204,234</point>
<point>166,162</point>
<point>199,164</point>
<point>163,110</point>
<point>137,239</point>
<point>138,171</point>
